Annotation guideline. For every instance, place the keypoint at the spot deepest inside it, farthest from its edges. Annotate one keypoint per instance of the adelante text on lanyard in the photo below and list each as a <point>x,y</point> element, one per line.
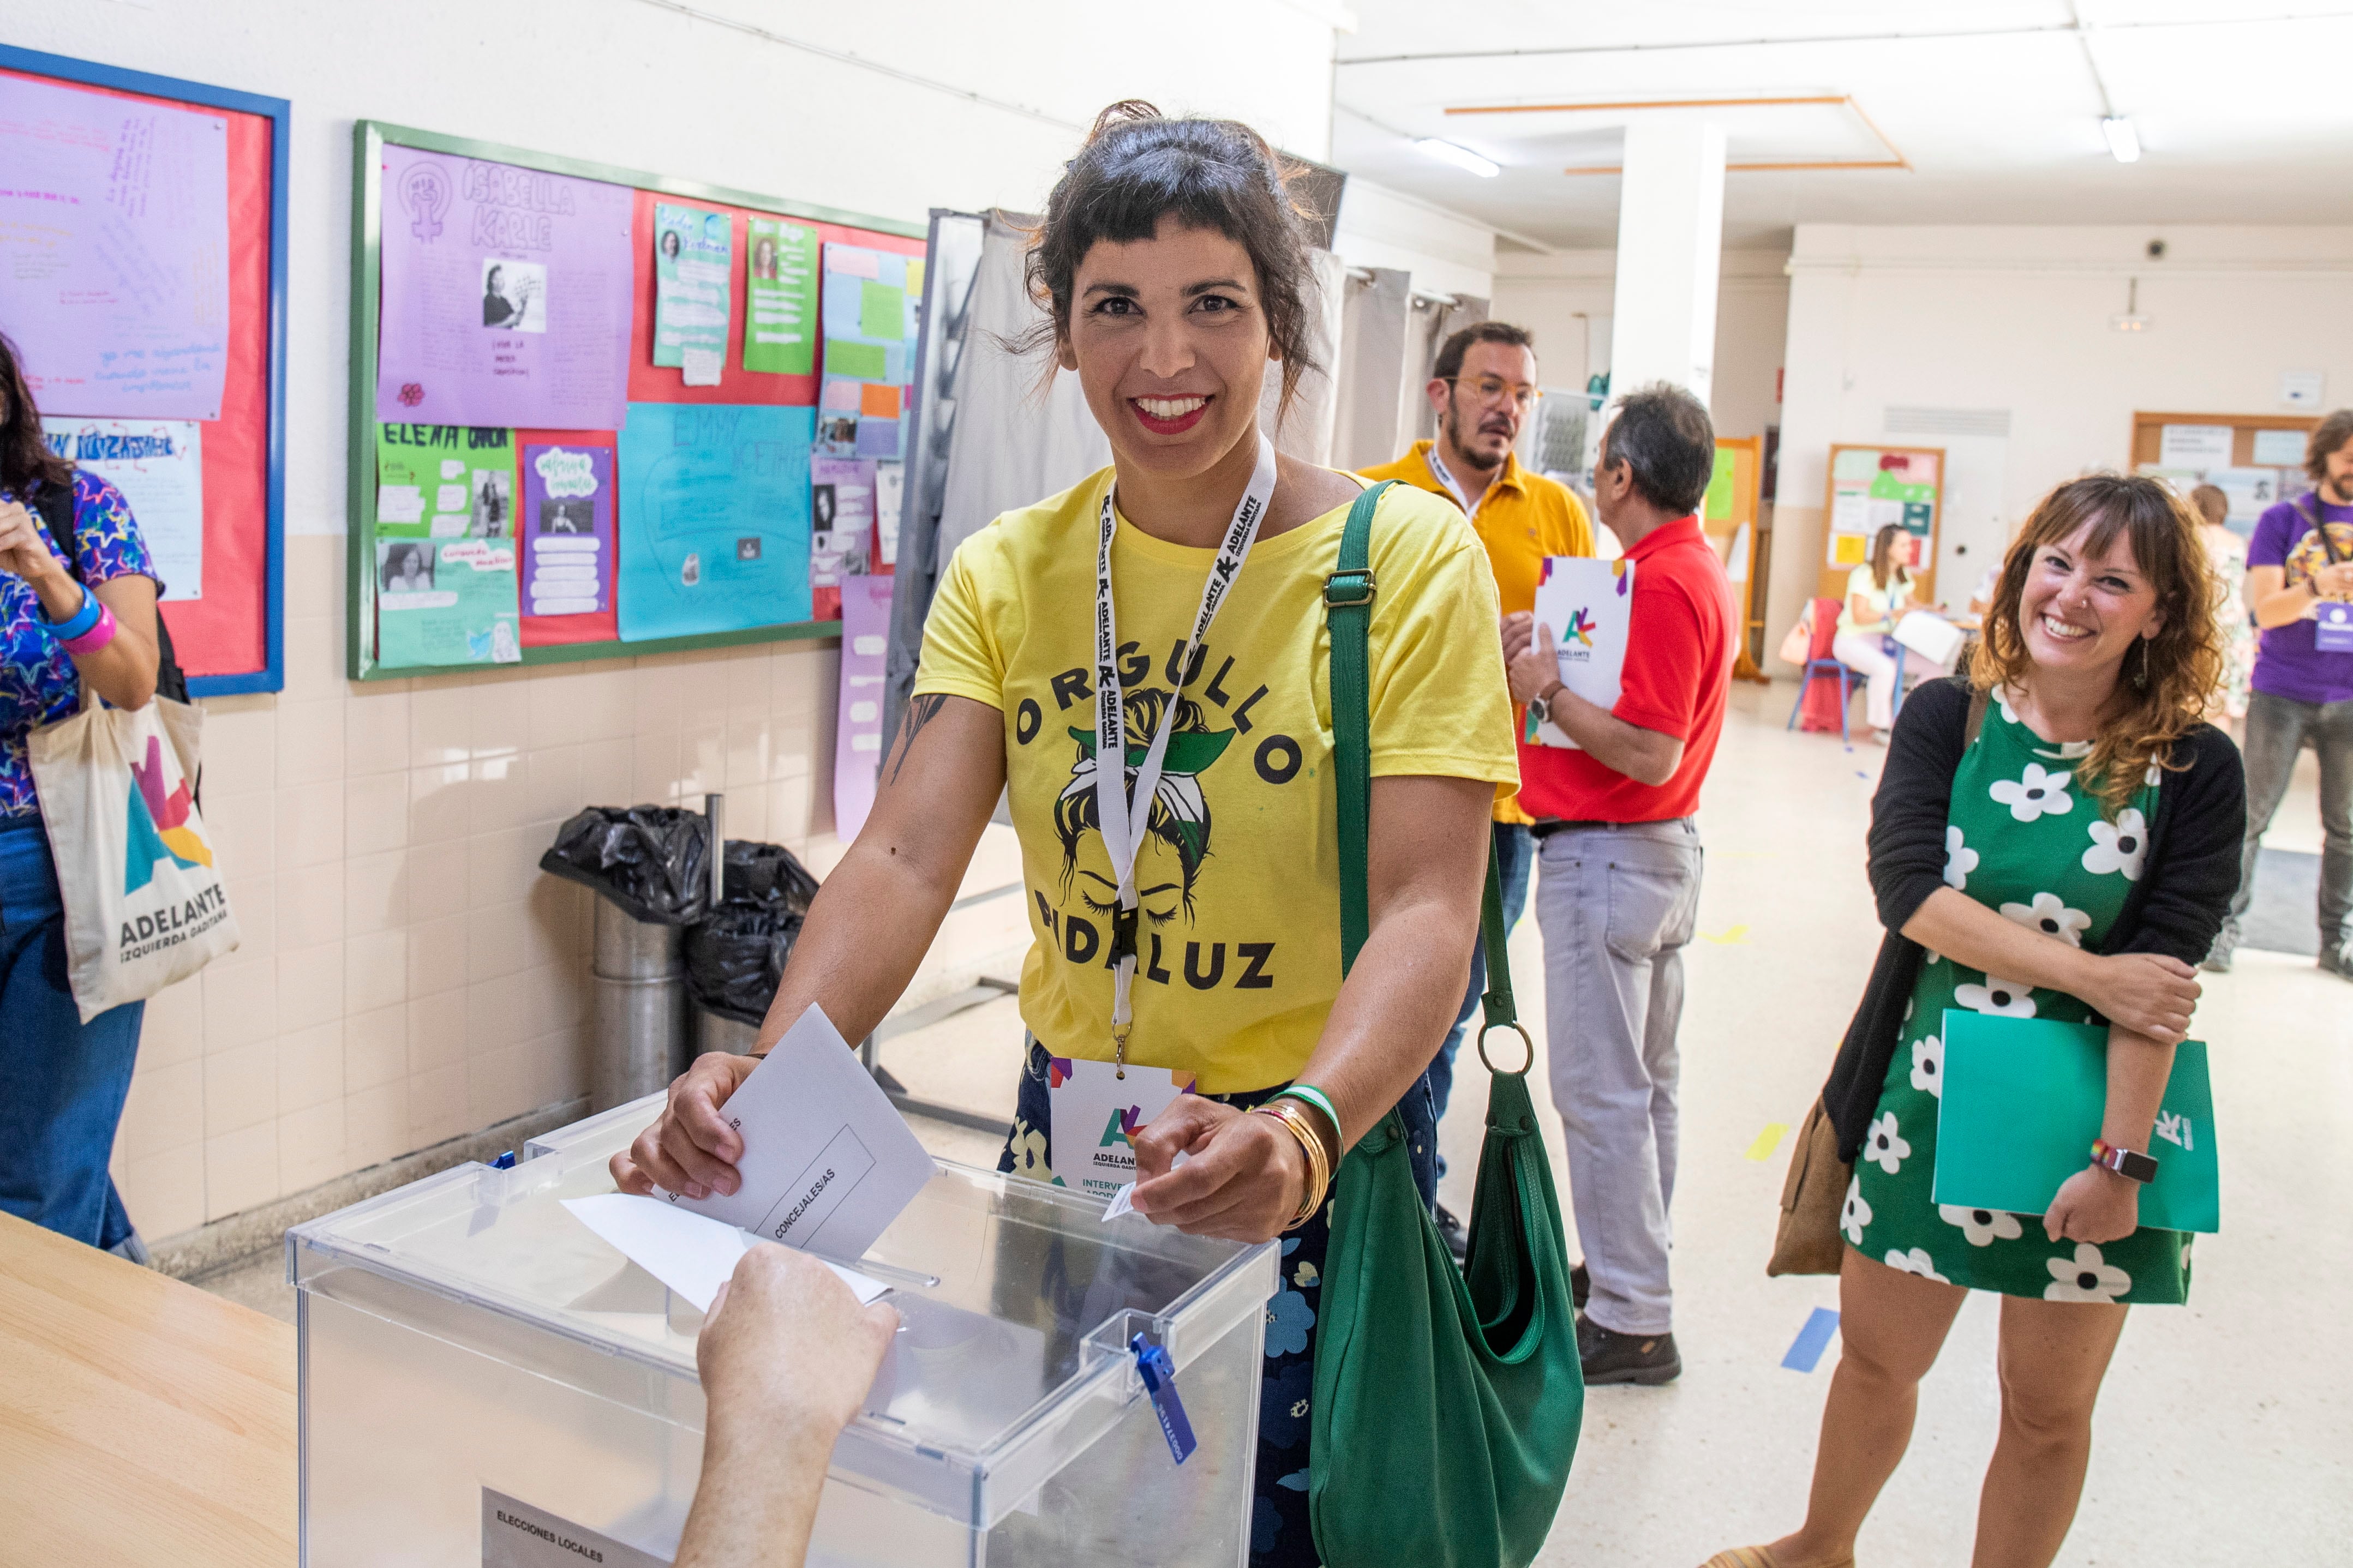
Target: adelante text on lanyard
<point>1125,816</point>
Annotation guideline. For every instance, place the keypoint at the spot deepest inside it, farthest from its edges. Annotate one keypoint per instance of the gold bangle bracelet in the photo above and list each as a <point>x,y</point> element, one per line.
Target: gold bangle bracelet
<point>1319,1169</point>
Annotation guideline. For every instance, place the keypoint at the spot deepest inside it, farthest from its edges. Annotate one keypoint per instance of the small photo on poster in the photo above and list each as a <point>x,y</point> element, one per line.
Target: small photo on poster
<point>763,258</point>
<point>404,566</point>
<point>515,295</point>
<point>577,516</point>
<point>493,504</point>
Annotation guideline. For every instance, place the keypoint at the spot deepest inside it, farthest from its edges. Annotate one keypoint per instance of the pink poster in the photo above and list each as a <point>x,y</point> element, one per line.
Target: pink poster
<point>506,295</point>
<point>858,734</point>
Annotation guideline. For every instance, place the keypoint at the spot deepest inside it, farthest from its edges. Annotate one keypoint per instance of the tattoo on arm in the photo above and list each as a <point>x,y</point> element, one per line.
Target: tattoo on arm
<point>920,711</point>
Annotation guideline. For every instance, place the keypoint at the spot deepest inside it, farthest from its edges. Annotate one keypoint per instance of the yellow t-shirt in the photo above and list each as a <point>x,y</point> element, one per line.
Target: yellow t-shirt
<point>1522,519</point>
<point>1238,876</point>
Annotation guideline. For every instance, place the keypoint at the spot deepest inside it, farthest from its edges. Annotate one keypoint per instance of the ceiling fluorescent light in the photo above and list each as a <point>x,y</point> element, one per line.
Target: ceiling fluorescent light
<point>2123,139</point>
<point>1461,157</point>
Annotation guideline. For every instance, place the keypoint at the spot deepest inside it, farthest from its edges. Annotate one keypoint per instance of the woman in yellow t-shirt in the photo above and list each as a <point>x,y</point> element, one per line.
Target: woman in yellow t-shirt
<point>1878,596</point>
<point>1174,270</point>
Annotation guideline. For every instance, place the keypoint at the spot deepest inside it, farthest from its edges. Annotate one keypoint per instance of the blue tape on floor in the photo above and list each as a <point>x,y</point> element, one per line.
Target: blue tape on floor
<point>1806,1349</point>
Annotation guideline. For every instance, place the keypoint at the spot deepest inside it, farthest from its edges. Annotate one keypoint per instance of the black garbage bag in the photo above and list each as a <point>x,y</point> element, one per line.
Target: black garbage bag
<point>735,954</point>
<point>651,860</point>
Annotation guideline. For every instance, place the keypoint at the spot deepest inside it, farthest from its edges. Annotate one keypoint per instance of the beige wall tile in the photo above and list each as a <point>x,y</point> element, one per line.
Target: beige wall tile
<point>376,970</point>
<point>375,1047</point>
<point>375,732</point>
<point>747,812</point>
<point>310,1070</point>
<point>375,890</point>
<point>703,757</point>
<point>310,741</point>
<point>309,986</point>
<point>375,1124</point>
<point>558,996</point>
<point>437,1030</point>
<point>311,901</point>
<point>241,1170</point>
<point>500,1084</point>
<point>314,570</point>
<point>240,1002</point>
<point>240,1087</point>
<point>242,829</point>
<point>173,1029</point>
<point>654,770</point>
<point>494,940</point>
<point>315,657</point>
<point>750,682</point>
<point>437,802</point>
<point>498,794</point>
<point>310,825</point>
<point>253,903</point>
<point>165,1193</point>
<point>499,866</point>
<point>240,747</point>
<point>375,813</point>
<point>436,1105</point>
<point>608,705</point>
<point>440,722</point>
<point>164,1111</point>
<point>654,697</point>
<point>552,782</point>
<point>747,746</point>
<point>310,1146</point>
<point>558,715</point>
<point>609,771</point>
<point>499,1015</point>
<point>436,956</point>
<point>498,713</point>
<point>437,878</point>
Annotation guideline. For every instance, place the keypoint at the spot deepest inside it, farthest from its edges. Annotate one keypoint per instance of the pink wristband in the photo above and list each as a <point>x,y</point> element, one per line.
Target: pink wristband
<point>97,637</point>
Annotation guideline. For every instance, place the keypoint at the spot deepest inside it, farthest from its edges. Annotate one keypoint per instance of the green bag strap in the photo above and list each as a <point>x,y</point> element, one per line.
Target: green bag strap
<point>1348,595</point>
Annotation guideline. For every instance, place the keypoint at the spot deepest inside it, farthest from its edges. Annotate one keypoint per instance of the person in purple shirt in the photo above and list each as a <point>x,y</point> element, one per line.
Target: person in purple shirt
<point>2300,590</point>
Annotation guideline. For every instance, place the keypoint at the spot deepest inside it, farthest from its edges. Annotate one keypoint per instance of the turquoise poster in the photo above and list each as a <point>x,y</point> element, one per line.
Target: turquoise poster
<point>714,517</point>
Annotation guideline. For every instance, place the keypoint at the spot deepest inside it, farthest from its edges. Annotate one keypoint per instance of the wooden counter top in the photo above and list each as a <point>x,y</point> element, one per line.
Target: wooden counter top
<point>142,1420</point>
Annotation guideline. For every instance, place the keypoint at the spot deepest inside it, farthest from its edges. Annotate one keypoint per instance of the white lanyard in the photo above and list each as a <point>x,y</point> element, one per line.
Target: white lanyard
<point>1124,824</point>
<point>1437,467</point>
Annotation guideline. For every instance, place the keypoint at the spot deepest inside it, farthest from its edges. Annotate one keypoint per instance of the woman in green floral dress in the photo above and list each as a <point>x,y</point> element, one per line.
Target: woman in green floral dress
<point>2052,838</point>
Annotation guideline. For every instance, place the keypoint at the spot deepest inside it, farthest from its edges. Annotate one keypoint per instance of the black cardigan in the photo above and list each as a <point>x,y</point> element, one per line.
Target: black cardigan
<point>2176,908</point>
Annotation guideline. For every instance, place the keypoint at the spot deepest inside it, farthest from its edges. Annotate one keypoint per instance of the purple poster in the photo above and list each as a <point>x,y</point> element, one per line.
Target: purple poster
<point>114,251</point>
<point>858,732</point>
<point>567,530</point>
<point>506,296</point>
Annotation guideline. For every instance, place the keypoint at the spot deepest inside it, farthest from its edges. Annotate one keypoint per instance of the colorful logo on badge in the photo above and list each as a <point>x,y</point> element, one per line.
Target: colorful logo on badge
<point>157,824</point>
<point>1580,628</point>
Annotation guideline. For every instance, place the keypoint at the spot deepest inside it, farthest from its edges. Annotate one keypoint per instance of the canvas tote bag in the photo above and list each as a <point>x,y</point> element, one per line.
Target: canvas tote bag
<point>144,898</point>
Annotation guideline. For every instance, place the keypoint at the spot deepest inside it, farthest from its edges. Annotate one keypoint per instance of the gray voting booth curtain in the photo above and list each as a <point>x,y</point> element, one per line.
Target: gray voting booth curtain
<point>1389,338</point>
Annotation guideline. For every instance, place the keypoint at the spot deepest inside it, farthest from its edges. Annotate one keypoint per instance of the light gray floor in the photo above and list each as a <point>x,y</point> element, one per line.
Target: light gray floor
<point>2225,1432</point>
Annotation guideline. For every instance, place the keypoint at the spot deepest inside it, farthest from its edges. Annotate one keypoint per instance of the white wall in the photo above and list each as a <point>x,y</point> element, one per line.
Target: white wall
<point>2017,319</point>
<point>408,975</point>
<point>1565,299</point>
<point>1446,253</point>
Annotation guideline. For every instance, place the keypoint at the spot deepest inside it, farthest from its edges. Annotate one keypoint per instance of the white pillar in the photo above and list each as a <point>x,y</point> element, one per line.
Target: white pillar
<point>1670,248</point>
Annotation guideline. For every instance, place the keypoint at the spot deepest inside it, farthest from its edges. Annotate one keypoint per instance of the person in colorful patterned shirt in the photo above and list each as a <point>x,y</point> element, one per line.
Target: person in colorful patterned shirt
<point>63,625</point>
<point>2054,837</point>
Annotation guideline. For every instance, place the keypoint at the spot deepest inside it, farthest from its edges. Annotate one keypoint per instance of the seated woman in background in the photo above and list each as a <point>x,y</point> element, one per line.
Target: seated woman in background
<point>2064,819</point>
<point>1878,596</point>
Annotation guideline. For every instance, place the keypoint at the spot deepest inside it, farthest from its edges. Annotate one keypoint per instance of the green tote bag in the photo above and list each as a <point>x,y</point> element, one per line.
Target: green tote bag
<point>1447,1401</point>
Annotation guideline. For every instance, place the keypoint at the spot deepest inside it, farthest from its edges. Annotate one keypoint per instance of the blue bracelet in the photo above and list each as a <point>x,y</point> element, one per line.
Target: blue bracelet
<point>79,623</point>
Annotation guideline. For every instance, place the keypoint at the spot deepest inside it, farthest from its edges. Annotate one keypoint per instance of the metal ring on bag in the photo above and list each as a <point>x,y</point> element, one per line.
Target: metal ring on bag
<point>1525,1040</point>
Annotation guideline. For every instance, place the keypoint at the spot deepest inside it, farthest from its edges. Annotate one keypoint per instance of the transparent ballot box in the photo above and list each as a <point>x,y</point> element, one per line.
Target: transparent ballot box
<point>479,1367</point>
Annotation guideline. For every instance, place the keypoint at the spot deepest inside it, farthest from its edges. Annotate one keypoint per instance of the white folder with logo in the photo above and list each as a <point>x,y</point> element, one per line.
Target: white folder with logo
<point>1588,606</point>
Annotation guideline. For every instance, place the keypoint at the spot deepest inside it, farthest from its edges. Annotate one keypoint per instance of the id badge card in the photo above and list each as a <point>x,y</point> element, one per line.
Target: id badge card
<point>2332,629</point>
<point>1096,1112</point>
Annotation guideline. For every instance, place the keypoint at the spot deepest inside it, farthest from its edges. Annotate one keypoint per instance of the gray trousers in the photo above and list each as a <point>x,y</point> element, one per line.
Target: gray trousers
<point>2277,729</point>
<point>1617,905</point>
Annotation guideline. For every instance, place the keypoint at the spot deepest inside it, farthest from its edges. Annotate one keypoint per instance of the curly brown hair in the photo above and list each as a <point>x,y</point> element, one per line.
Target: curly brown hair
<point>2163,684</point>
<point>1139,166</point>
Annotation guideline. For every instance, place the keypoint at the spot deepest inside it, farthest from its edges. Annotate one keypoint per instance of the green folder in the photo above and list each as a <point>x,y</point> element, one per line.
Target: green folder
<point>2023,1102</point>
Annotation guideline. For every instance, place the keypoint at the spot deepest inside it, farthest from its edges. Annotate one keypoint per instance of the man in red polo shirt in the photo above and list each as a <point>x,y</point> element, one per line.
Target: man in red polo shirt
<point>1619,858</point>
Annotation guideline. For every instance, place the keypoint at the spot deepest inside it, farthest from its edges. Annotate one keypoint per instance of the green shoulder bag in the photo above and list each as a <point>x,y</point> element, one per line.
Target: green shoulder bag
<point>1447,1402</point>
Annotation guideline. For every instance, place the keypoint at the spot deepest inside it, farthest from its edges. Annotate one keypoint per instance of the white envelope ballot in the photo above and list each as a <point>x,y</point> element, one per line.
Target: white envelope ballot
<point>827,1161</point>
<point>1931,636</point>
<point>692,1255</point>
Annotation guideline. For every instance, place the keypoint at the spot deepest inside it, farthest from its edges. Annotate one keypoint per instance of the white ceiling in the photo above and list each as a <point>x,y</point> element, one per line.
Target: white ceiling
<point>2244,108</point>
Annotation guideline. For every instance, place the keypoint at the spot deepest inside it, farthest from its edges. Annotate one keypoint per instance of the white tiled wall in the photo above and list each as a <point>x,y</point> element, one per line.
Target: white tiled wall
<point>407,974</point>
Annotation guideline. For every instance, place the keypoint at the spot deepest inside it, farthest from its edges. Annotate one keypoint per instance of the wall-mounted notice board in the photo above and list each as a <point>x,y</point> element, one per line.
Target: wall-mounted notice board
<point>2257,460</point>
<point>597,411</point>
<point>1871,487</point>
<point>143,274</point>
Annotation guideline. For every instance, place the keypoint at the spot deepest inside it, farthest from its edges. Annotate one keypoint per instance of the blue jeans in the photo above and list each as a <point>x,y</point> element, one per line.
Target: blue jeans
<point>62,1081</point>
<point>1514,853</point>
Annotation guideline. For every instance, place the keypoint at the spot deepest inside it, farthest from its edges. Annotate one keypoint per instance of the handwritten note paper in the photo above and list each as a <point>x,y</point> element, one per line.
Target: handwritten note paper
<point>159,466</point>
<point>506,295</point>
<point>114,251</point>
<point>566,528</point>
<point>693,250</point>
<point>780,322</point>
<point>714,517</point>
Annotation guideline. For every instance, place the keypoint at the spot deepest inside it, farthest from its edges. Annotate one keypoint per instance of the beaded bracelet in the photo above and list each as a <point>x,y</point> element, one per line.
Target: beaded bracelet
<point>97,637</point>
<point>79,623</point>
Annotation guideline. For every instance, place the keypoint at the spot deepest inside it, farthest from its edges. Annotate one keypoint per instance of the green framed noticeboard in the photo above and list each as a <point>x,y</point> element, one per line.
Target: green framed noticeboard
<point>744,277</point>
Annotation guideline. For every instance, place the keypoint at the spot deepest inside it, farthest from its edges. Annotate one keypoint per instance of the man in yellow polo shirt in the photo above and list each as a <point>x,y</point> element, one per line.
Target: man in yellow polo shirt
<point>1483,388</point>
